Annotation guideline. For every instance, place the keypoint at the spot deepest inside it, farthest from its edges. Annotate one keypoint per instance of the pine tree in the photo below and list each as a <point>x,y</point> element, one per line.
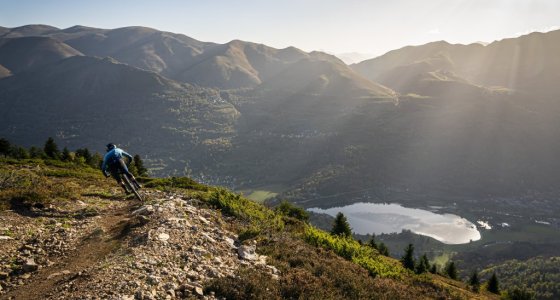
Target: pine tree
<point>65,156</point>
<point>372,243</point>
<point>493,284</point>
<point>383,250</point>
<point>35,152</point>
<point>341,226</point>
<point>5,147</point>
<point>96,160</point>
<point>139,164</point>
<point>520,294</point>
<point>51,149</point>
<point>408,257</point>
<point>433,269</point>
<point>474,281</point>
<point>84,155</point>
<point>423,265</point>
<point>19,152</point>
<point>451,270</point>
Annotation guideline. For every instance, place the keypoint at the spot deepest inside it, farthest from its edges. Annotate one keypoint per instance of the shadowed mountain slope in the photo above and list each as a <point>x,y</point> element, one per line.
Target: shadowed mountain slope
<point>236,64</point>
<point>322,77</point>
<point>304,121</point>
<point>19,54</point>
<point>91,101</point>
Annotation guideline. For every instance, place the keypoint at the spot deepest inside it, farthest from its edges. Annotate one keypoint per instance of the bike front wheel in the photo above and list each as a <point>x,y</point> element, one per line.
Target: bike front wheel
<point>132,187</point>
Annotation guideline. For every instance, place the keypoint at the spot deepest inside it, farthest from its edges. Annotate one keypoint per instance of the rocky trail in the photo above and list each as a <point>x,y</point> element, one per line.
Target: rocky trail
<point>167,248</point>
<point>92,249</point>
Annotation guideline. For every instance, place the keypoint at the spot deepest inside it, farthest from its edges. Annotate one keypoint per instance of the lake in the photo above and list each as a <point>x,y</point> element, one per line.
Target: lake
<point>379,218</point>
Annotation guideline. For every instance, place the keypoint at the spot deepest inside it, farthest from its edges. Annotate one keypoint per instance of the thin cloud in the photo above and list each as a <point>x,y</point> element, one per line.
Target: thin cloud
<point>434,31</point>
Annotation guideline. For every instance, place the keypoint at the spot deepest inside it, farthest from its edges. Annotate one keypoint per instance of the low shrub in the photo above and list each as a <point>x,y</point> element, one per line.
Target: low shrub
<point>246,284</point>
<point>350,249</point>
<point>255,214</point>
<point>288,209</point>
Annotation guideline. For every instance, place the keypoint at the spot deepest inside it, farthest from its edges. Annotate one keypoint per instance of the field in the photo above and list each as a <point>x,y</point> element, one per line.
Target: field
<point>262,193</point>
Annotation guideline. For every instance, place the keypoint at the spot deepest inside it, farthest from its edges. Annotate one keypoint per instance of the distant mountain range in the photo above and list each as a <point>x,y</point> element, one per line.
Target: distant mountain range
<point>354,57</point>
<point>528,63</point>
<point>431,121</point>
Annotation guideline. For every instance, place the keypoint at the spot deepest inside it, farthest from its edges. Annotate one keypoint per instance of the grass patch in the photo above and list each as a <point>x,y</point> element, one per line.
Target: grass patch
<point>173,182</point>
<point>260,195</point>
<point>101,194</point>
<point>78,173</point>
<point>442,259</point>
<point>37,183</point>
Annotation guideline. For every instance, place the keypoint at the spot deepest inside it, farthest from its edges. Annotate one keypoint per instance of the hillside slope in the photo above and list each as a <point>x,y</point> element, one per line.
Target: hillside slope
<point>92,241</point>
<point>306,124</point>
<point>92,101</point>
<point>237,64</point>
<point>19,54</point>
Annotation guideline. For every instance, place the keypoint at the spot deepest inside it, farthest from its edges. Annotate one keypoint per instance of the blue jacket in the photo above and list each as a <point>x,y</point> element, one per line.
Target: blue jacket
<point>113,156</point>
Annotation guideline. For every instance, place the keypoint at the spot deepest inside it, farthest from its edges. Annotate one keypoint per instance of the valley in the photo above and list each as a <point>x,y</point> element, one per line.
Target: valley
<point>466,130</point>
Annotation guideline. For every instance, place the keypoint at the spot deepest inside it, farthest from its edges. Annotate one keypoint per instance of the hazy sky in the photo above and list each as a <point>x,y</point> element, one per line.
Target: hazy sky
<point>337,26</point>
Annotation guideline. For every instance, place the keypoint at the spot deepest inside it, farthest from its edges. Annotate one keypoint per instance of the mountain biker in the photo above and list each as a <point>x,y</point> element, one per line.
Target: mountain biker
<point>115,164</point>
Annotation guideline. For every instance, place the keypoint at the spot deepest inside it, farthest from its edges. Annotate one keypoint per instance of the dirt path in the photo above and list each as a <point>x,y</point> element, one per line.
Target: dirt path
<point>91,250</point>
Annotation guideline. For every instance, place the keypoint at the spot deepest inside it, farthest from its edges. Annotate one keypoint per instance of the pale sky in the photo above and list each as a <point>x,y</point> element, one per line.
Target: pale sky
<point>336,26</point>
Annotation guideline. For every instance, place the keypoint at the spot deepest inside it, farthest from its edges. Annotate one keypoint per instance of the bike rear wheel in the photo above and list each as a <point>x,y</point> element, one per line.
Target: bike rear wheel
<point>131,186</point>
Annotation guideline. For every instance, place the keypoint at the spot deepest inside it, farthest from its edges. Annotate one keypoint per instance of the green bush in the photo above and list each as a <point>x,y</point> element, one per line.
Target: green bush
<point>245,209</point>
<point>350,249</point>
<point>288,209</point>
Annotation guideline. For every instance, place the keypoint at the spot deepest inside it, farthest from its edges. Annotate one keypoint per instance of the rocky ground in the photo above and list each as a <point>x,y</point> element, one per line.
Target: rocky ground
<point>165,248</point>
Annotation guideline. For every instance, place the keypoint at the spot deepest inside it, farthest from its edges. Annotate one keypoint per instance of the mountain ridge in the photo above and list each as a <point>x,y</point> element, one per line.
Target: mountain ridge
<point>525,63</point>
<point>18,54</point>
<point>180,57</point>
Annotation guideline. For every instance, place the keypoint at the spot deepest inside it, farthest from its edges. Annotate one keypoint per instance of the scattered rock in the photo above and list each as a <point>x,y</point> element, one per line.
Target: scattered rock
<point>144,210</point>
<point>4,275</point>
<point>163,237</point>
<point>198,291</point>
<point>148,265</point>
<point>30,266</point>
<point>65,272</point>
<point>203,220</point>
<point>5,238</point>
<point>230,242</point>
<point>248,252</point>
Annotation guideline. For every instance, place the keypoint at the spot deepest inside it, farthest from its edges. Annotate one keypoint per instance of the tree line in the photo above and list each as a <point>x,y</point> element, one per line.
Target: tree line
<point>50,151</point>
<point>341,227</point>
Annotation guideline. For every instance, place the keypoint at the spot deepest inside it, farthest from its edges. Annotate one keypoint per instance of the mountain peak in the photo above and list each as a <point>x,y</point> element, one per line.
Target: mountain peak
<point>78,28</point>
<point>18,54</point>
<point>30,30</point>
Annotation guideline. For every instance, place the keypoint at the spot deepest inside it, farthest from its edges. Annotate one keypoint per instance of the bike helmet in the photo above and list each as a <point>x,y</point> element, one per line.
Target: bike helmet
<point>111,146</point>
